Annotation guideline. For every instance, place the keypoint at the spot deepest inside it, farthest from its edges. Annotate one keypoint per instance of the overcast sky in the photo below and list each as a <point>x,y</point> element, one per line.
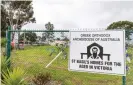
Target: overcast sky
<point>79,14</point>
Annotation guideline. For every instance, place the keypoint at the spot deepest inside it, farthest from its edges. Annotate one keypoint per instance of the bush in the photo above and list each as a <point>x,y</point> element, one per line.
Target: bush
<point>4,64</point>
<point>15,77</point>
<point>41,79</point>
<point>3,42</point>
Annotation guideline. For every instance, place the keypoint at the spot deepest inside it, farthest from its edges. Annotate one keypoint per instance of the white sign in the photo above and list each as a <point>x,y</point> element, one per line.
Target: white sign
<point>98,52</point>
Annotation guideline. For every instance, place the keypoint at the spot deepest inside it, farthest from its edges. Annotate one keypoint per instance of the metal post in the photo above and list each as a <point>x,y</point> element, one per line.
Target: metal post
<point>124,77</point>
<point>24,39</point>
<point>8,51</point>
<point>123,80</point>
<point>18,40</point>
<point>6,43</point>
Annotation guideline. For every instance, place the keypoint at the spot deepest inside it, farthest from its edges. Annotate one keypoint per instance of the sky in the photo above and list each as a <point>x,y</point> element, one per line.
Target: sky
<point>79,14</point>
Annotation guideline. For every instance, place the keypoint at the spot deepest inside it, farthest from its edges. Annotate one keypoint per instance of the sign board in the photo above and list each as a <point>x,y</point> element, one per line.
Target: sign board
<point>98,52</point>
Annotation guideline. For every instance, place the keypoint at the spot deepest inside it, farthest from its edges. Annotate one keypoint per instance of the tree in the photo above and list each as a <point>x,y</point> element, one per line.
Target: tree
<point>58,39</point>
<point>3,21</point>
<point>28,36</point>
<point>66,39</point>
<point>49,35</point>
<point>62,35</point>
<point>43,38</point>
<point>127,25</point>
<point>16,14</point>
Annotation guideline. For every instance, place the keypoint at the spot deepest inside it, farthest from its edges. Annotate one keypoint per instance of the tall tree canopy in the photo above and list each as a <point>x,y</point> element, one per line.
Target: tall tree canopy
<point>49,35</point>
<point>127,25</point>
<point>16,14</point>
<point>62,35</point>
<point>28,36</point>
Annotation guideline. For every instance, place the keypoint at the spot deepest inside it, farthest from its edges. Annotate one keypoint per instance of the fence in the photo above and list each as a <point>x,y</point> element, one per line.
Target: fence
<point>41,51</point>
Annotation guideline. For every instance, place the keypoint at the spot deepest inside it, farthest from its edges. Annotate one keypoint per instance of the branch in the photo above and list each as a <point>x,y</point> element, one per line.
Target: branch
<point>18,15</point>
<point>10,19</point>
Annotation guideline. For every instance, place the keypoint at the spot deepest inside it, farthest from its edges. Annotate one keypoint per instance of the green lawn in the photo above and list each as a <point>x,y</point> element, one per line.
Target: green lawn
<point>130,73</point>
<point>33,60</point>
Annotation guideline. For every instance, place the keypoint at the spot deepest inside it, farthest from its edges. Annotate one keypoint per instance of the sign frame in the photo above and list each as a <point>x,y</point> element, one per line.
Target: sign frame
<point>124,74</point>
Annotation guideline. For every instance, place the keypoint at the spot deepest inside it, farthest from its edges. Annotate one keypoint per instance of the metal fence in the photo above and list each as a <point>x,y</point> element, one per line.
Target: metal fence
<point>41,51</point>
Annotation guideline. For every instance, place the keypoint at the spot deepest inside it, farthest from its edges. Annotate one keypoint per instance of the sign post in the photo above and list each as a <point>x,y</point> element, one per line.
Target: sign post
<point>123,80</point>
<point>98,52</point>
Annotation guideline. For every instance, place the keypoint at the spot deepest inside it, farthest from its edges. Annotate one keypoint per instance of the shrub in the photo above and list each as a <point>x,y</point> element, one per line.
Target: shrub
<point>4,64</point>
<point>15,77</point>
<point>12,47</point>
<point>41,78</point>
<point>3,42</point>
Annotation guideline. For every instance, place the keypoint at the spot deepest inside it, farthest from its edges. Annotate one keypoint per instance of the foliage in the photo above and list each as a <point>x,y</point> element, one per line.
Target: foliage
<point>43,38</point>
<point>129,78</point>
<point>66,39</point>
<point>29,36</point>
<point>3,21</point>
<point>4,64</point>
<point>58,39</point>
<point>16,14</point>
<point>49,35</point>
<point>128,25</point>
<point>62,35</point>
<point>41,78</point>
<point>15,77</point>
<point>3,42</point>
<point>130,52</point>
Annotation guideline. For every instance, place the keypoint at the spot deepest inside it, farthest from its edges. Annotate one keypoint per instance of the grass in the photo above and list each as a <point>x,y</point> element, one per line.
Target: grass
<point>130,72</point>
<point>34,59</point>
